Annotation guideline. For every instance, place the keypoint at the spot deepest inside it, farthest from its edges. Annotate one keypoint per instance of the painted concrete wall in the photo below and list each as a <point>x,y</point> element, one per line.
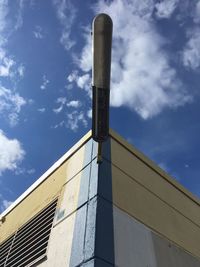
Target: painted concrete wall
<point>84,221</point>
<point>136,245</point>
<point>144,192</point>
<point>123,212</point>
<point>72,239</point>
<point>71,228</point>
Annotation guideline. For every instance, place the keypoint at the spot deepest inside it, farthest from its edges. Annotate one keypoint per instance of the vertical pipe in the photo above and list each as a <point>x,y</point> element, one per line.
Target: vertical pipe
<point>102,43</point>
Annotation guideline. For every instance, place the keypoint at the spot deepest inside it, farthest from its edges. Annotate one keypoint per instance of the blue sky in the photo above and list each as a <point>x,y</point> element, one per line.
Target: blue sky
<point>45,84</point>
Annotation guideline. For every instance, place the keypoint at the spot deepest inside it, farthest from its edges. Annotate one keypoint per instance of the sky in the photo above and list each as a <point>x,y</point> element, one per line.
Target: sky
<point>45,84</point>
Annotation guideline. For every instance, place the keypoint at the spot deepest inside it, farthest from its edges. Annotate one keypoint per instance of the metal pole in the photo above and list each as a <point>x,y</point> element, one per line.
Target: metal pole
<point>102,44</point>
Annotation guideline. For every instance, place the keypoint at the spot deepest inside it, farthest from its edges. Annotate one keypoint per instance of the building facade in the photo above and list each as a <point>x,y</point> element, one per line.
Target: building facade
<point>123,212</point>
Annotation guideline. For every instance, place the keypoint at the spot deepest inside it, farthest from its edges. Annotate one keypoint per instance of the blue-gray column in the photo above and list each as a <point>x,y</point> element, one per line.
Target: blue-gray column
<point>93,237</point>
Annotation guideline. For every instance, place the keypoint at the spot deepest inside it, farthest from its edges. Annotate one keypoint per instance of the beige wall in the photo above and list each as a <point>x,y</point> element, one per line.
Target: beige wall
<point>62,234</point>
<point>156,201</point>
<point>48,190</point>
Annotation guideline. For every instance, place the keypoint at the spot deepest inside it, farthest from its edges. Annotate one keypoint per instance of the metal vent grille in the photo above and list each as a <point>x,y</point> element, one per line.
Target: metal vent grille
<point>29,243</point>
<point>4,250</point>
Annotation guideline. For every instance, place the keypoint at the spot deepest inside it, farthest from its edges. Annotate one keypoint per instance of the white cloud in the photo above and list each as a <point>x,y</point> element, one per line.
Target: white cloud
<point>89,113</point>
<point>163,166</point>
<point>10,101</point>
<point>166,169</point>
<point>62,101</point>
<point>66,14</point>
<point>74,119</point>
<point>38,35</point>
<point>6,65</point>
<point>191,52</point>
<point>142,77</point>
<point>41,110</point>
<point>13,119</point>
<point>72,76</point>
<point>85,60</point>
<point>24,171</point>
<point>60,124</point>
<point>2,54</point>
<point>82,81</point>
<point>4,203</point>
<point>58,110</point>
<point>69,86</point>
<point>38,32</point>
<point>19,16</point>
<point>3,14</point>
<point>10,105</point>
<point>31,171</point>
<point>165,8</point>
<point>45,82</point>
<point>196,13</point>
<point>30,101</point>
<point>11,153</point>
<point>21,70</point>
<point>74,104</point>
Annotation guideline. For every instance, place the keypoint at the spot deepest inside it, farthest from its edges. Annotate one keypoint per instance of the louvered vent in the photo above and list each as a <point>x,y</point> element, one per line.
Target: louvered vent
<point>4,250</point>
<point>29,243</point>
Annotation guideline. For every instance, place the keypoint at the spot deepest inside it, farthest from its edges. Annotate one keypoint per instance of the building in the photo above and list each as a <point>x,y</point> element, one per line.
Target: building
<point>123,212</point>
